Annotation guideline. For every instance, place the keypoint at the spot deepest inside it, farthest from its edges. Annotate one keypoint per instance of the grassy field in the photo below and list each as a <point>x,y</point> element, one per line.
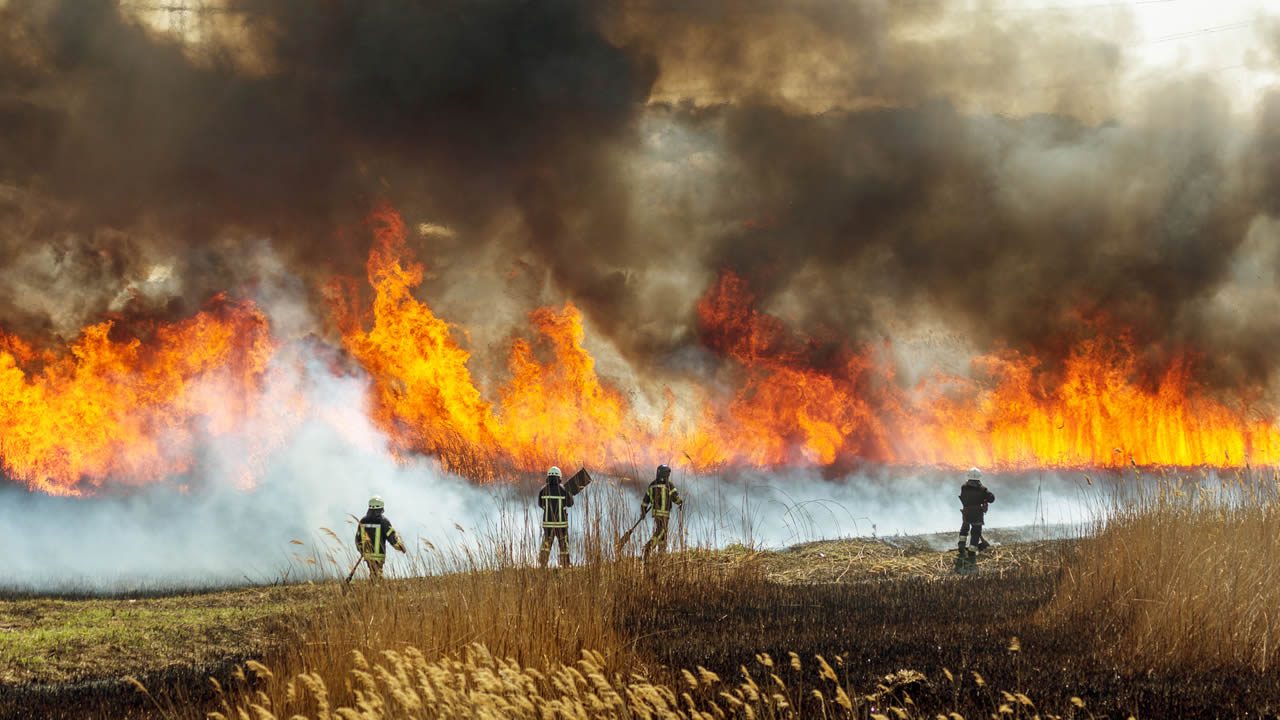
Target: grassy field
<point>865,628</point>
<point>50,641</point>
<point>74,654</point>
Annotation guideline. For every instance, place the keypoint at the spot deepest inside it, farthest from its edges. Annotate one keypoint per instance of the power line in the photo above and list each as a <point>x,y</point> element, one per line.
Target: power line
<point>1188,34</point>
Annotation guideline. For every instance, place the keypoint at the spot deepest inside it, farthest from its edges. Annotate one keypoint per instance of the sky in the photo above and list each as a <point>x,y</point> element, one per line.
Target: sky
<point>1221,37</point>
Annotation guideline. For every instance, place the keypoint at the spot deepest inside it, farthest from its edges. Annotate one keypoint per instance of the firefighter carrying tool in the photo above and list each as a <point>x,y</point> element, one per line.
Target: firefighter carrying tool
<point>555,501</point>
<point>660,495</point>
<point>974,498</point>
<point>372,535</point>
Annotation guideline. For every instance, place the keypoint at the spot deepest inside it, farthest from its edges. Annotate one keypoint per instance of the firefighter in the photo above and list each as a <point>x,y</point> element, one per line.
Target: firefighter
<point>555,501</point>
<point>660,495</point>
<point>372,535</point>
<point>974,498</point>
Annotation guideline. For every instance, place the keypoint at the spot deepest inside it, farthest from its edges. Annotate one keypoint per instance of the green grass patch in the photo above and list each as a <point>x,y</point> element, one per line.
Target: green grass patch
<point>50,641</point>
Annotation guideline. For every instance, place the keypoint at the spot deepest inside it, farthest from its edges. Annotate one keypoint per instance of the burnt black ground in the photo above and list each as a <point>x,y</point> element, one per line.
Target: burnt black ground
<point>866,628</point>
<point>963,624</point>
<point>113,699</point>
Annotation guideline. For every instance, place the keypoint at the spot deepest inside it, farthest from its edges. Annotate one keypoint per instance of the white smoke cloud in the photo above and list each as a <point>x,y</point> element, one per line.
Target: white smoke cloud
<point>206,529</point>
<point>208,533</point>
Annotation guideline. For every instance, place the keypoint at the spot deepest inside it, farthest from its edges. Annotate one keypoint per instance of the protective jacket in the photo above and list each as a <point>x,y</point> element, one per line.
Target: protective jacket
<point>660,495</point>
<point>974,498</point>
<point>372,535</point>
<point>555,502</point>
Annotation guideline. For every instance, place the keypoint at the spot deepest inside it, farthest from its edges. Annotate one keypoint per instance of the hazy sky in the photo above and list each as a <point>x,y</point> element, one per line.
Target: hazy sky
<point>1222,37</point>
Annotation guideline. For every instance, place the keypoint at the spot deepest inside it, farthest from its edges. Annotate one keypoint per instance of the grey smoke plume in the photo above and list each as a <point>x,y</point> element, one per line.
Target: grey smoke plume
<point>871,168</point>
<point>867,166</point>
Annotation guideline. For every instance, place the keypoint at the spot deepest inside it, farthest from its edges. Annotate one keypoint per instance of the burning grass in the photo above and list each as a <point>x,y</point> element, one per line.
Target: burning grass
<point>140,401</point>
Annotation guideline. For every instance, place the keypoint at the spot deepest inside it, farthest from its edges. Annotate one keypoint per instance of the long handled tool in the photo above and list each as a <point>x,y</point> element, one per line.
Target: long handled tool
<point>627,535</point>
<point>353,570</point>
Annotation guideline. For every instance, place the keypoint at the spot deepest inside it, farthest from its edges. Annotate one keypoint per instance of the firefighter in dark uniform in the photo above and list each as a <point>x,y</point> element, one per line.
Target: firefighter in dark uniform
<point>974,498</point>
<point>555,502</point>
<point>660,496</point>
<point>372,535</point>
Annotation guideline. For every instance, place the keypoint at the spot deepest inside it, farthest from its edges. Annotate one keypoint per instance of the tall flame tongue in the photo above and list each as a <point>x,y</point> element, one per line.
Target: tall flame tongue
<point>128,410</point>
<point>424,396</point>
<point>136,410</point>
<point>1093,414</point>
<point>792,409</point>
<point>560,409</point>
<point>427,400</point>
<point>794,402</point>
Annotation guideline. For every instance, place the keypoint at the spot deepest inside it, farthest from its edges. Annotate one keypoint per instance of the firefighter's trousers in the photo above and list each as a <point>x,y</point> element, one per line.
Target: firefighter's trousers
<point>375,568</point>
<point>556,535</point>
<point>972,519</point>
<point>974,531</point>
<point>659,539</point>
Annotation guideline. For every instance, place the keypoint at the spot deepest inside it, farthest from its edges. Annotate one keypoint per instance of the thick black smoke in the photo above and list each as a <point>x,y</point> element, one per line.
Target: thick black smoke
<point>867,168</point>
<point>865,165</point>
<point>462,109</point>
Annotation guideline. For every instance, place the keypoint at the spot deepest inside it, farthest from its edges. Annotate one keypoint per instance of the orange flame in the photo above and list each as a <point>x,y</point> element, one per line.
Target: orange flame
<point>426,398</point>
<point>560,409</point>
<point>1097,414</point>
<point>129,410</point>
<point>423,393</point>
<point>136,410</point>
<point>788,412</point>
<point>794,401</point>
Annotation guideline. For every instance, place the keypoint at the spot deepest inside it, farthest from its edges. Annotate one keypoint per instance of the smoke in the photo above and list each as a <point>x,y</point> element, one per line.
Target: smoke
<point>875,170</point>
<point>204,533</point>
<point>201,531</point>
<point>868,167</point>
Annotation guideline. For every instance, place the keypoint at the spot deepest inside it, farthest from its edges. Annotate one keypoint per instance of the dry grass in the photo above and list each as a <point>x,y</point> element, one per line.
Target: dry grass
<point>486,635</point>
<point>478,684</point>
<point>1182,576</point>
<point>484,592</point>
<point>873,560</point>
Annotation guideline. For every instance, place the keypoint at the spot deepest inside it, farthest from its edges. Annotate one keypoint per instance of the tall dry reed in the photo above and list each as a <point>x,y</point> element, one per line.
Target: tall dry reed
<point>1181,575</point>
<point>475,683</point>
<point>486,589</point>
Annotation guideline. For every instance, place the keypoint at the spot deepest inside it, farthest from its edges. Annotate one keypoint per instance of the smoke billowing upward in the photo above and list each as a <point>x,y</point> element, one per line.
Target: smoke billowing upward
<point>893,187</point>
<point>974,167</point>
<point>872,170</point>
<point>474,107</point>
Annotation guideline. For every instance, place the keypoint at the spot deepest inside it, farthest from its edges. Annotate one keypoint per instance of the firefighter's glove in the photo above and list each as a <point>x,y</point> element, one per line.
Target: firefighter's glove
<point>400,547</point>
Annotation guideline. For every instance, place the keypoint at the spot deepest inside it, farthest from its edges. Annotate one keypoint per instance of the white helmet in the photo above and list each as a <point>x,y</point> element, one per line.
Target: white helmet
<point>554,472</point>
<point>375,503</point>
<point>975,474</point>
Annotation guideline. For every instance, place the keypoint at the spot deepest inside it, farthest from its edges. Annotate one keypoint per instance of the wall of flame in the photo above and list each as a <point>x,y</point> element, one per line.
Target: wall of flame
<point>109,410</point>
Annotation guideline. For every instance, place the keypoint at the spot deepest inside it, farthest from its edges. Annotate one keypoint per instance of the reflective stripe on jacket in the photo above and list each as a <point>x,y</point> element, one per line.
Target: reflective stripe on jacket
<point>372,535</point>
<point>555,503</point>
<point>660,495</point>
